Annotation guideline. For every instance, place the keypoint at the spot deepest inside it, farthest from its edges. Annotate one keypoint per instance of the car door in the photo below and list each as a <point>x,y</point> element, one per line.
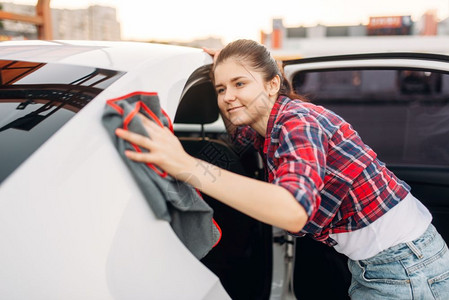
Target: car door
<point>399,104</point>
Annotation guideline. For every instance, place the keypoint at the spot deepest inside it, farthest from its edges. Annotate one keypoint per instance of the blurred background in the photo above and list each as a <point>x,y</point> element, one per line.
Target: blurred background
<point>290,29</point>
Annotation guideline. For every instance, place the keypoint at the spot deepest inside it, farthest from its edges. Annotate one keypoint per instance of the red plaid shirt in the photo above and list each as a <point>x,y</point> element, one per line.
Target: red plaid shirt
<point>321,160</point>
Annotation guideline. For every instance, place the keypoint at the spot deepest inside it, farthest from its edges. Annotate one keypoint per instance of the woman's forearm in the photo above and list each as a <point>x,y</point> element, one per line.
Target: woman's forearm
<point>263,201</point>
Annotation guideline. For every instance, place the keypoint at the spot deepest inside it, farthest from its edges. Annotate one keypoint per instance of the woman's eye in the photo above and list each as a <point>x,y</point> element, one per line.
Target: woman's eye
<point>220,91</point>
<point>239,84</point>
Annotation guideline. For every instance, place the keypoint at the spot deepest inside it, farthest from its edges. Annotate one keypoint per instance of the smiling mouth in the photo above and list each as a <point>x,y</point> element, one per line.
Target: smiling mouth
<point>234,108</point>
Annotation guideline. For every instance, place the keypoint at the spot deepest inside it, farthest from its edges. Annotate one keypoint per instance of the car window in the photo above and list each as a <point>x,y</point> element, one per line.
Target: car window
<point>36,99</point>
<point>403,114</point>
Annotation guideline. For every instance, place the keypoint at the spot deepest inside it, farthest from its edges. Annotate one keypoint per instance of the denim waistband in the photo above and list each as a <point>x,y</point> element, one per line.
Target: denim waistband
<point>403,250</point>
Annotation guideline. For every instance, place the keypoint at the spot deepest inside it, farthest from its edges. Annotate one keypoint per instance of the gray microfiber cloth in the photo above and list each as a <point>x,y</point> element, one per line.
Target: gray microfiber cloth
<point>171,200</point>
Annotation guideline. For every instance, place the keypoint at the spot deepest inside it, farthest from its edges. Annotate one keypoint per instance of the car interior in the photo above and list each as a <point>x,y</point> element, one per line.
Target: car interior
<point>243,257</point>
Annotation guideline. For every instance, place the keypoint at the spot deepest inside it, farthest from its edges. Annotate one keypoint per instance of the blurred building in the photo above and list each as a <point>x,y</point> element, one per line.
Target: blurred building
<point>17,30</point>
<point>382,33</point>
<point>390,25</point>
<point>94,23</point>
<point>429,24</point>
<point>443,27</point>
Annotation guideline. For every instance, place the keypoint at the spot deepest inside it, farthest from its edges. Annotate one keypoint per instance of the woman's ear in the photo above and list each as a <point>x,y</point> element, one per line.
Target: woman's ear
<point>274,85</point>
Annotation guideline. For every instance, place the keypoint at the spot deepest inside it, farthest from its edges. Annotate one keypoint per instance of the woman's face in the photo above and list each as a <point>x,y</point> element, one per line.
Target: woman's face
<point>244,97</point>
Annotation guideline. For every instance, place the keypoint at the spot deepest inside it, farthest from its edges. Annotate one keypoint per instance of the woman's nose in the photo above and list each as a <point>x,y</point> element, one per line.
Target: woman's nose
<point>229,95</point>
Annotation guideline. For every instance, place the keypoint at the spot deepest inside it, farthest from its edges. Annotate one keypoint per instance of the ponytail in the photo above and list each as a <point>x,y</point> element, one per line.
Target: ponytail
<point>286,88</point>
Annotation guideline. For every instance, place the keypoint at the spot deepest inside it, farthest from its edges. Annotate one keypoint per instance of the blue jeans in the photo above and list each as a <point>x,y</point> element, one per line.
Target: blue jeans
<point>413,270</point>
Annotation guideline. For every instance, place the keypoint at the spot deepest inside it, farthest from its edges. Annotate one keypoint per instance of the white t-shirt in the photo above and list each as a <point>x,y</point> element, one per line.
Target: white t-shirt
<point>405,222</point>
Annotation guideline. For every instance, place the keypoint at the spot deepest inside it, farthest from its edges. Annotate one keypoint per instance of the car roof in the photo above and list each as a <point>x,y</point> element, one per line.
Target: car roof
<point>123,56</point>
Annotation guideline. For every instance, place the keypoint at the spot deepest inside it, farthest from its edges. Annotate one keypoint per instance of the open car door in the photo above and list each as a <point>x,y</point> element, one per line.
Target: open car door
<point>399,104</point>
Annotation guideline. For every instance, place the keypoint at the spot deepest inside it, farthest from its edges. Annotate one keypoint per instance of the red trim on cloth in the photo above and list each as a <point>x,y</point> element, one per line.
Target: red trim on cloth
<point>219,231</point>
<point>115,106</point>
<point>133,94</point>
<point>170,124</point>
<point>130,117</point>
<point>111,103</point>
<point>152,114</point>
<point>127,120</point>
<point>213,220</point>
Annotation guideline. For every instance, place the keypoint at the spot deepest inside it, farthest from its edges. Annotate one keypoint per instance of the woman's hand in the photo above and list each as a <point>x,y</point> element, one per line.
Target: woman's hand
<point>165,150</point>
<point>212,52</point>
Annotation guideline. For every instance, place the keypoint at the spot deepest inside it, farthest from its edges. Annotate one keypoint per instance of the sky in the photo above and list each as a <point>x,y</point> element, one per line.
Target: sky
<point>167,20</point>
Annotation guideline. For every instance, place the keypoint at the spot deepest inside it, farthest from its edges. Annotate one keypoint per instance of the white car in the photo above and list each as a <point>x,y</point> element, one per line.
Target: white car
<point>75,225</point>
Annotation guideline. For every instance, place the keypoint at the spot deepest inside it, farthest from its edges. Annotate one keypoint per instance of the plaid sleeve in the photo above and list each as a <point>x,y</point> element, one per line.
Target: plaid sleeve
<point>300,159</point>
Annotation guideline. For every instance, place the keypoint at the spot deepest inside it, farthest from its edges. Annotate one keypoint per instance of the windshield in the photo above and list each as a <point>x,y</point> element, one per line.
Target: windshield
<point>36,99</point>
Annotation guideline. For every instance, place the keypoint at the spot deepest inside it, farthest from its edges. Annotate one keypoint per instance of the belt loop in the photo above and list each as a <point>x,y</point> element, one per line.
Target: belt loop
<point>414,249</point>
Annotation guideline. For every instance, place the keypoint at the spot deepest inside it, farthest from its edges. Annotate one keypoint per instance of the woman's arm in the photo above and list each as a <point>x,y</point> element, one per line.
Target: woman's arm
<point>263,201</point>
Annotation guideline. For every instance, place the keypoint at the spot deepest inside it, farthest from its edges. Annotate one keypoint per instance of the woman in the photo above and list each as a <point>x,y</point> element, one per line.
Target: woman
<point>322,180</point>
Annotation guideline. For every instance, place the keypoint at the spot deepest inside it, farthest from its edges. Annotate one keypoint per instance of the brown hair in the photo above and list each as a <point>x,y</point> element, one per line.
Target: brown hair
<point>259,58</point>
